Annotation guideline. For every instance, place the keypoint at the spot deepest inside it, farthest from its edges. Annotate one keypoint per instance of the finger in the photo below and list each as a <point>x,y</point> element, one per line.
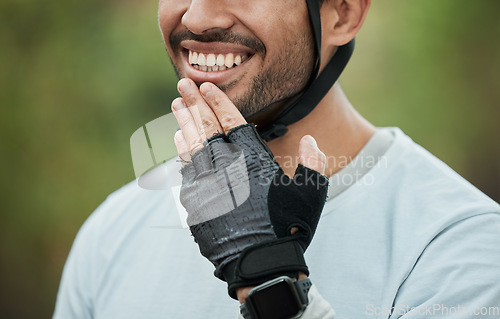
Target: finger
<point>182,148</point>
<point>187,125</point>
<point>228,115</point>
<point>205,119</point>
<point>310,156</point>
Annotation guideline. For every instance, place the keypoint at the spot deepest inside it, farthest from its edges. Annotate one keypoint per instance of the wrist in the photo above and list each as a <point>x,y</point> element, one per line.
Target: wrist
<point>242,292</point>
<point>263,262</point>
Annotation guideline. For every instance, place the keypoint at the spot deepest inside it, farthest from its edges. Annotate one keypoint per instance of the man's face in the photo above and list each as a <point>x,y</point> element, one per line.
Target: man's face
<point>258,52</point>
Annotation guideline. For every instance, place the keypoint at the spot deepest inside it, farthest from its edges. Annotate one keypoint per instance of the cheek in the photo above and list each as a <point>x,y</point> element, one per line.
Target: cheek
<point>286,21</point>
<point>169,17</point>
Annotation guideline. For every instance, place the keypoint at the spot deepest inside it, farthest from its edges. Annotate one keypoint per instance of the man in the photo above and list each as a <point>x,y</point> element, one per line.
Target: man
<point>401,234</point>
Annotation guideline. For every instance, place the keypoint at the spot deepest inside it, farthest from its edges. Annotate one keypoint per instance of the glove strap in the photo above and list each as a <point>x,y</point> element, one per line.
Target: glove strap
<point>260,263</point>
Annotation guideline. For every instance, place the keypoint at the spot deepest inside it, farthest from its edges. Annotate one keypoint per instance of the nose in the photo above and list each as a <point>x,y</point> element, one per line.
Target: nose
<point>207,15</point>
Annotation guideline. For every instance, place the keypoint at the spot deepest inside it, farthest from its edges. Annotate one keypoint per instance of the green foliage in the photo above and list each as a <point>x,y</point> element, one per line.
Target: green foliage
<point>431,68</point>
<point>78,77</point>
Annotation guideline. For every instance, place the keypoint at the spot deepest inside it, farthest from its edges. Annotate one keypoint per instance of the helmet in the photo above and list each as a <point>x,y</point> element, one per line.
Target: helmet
<point>317,86</point>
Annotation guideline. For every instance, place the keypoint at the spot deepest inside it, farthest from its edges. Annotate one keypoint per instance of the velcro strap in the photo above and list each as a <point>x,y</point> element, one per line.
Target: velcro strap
<point>260,263</point>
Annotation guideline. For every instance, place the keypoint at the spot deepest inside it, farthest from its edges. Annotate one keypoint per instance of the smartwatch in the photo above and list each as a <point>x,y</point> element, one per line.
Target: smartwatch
<point>280,298</point>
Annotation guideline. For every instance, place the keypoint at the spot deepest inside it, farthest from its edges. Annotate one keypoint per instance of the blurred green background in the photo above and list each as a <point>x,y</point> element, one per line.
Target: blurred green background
<point>77,78</point>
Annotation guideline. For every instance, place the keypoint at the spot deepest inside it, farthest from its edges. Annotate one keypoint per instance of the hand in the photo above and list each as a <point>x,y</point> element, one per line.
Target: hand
<point>206,112</point>
<point>242,209</point>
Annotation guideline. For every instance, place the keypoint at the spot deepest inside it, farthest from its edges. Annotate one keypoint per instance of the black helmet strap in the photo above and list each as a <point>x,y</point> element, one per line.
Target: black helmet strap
<point>318,86</point>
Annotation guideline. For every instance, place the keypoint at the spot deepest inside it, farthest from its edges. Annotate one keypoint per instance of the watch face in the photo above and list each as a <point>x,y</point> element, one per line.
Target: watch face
<point>276,301</point>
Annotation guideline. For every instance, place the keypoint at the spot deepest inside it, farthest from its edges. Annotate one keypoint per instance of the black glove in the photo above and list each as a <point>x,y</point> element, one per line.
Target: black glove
<point>242,208</point>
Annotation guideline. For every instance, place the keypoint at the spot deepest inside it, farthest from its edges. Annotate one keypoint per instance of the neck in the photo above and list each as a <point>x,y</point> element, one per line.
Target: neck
<point>340,131</point>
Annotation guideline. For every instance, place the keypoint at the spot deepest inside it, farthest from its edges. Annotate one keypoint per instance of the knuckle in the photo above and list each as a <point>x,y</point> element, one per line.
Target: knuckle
<point>190,100</point>
<point>195,146</point>
<point>194,141</point>
<point>216,99</point>
<point>315,162</point>
<point>183,121</point>
<point>228,121</point>
<point>207,125</point>
<point>321,158</point>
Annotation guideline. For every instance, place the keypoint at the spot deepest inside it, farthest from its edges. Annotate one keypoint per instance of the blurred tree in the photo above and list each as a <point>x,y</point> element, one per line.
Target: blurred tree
<point>77,78</point>
<point>432,69</point>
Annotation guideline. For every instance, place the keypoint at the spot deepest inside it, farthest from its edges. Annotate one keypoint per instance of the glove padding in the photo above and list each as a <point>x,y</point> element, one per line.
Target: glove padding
<point>237,196</point>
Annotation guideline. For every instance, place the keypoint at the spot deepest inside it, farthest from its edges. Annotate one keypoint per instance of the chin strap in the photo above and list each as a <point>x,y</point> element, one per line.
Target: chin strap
<point>317,87</point>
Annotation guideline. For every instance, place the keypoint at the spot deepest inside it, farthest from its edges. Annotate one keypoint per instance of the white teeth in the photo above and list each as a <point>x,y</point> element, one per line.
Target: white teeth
<point>211,59</point>
<point>220,60</point>
<point>201,59</point>
<point>229,60</point>
<point>237,60</point>
<point>215,62</point>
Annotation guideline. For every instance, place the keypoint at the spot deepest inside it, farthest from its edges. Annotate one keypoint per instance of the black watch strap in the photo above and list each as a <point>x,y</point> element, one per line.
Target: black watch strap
<point>301,287</point>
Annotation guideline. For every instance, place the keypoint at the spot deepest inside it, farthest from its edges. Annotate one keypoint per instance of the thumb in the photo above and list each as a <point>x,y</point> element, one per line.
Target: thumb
<point>310,156</point>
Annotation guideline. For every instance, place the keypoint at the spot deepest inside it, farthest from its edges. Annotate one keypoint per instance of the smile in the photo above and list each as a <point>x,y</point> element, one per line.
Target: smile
<point>210,62</point>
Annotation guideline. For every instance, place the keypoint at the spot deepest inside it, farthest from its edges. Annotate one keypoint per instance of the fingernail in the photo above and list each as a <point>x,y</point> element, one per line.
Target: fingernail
<point>207,90</point>
<point>177,104</point>
<point>182,85</point>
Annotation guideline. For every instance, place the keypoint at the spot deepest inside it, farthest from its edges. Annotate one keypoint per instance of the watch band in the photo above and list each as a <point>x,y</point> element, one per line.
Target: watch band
<point>301,288</point>
<point>245,312</point>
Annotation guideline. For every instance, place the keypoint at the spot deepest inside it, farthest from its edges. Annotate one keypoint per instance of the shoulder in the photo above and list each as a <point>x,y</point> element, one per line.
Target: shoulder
<point>110,249</point>
<point>456,270</point>
<point>450,227</point>
<point>412,188</point>
<point>415,229</point>
<point>125,215</point>
<point>424,196</point>
<point>429,184</point>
